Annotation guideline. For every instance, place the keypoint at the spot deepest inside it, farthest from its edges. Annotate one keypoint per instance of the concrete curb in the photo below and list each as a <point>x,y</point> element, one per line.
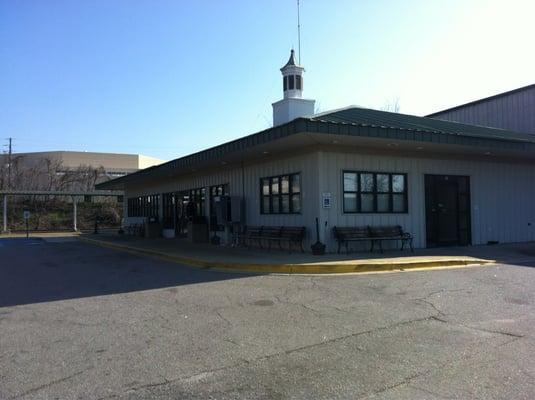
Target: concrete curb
<point>357,266</point>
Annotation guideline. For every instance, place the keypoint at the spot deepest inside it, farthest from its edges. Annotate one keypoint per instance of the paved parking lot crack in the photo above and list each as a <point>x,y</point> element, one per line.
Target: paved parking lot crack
<point>223,318</point>
<point>432,305</point>
<point>403,382</point>
<point>204,374</point>
<point>495,331</point>
<point>48,384</point>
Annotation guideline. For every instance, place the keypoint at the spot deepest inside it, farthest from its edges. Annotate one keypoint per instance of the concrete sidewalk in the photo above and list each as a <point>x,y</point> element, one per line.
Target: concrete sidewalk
<point>276,261</point>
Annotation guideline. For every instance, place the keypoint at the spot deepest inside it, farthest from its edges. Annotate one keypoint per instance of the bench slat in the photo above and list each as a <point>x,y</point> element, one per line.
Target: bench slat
<point>374,234</point>
<point>386,231</point>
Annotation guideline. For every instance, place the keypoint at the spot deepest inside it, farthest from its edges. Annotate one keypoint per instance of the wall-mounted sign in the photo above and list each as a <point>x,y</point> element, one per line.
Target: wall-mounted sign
<point>326,200</point>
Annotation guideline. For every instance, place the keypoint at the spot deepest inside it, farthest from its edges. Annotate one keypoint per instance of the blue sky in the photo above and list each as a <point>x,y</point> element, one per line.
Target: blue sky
<point>166,78</point>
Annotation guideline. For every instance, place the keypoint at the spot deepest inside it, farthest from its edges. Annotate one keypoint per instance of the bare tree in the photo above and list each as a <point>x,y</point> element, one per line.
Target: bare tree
<point>391,105</point>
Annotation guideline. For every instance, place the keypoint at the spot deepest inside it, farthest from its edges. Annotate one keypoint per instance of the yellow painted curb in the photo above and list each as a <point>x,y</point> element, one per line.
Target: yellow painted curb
<point>356,266</point>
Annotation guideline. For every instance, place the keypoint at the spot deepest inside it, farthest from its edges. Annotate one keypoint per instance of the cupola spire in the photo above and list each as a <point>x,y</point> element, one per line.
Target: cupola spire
<point>292,105</point>
<point>292,78</point>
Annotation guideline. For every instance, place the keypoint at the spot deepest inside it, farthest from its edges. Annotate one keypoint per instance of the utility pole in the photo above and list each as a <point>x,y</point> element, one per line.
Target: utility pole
<point>9,165</point>
<point>4,227</point>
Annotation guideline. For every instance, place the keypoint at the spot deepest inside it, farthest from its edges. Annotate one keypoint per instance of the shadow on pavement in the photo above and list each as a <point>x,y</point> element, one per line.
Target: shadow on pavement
<point>34,271</point>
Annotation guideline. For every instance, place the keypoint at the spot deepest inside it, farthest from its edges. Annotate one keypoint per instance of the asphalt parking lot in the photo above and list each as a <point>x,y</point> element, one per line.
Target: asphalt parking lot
<point>83,322</point>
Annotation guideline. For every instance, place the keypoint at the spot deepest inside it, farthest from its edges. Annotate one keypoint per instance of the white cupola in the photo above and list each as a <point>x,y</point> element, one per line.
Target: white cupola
<point>292,106</point>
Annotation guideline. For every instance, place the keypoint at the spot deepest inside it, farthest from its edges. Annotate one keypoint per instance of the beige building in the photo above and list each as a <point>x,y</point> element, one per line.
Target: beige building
<point>114,164</point>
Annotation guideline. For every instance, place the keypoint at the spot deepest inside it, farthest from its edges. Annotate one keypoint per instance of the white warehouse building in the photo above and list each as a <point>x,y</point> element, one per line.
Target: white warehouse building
<point>446,183</point>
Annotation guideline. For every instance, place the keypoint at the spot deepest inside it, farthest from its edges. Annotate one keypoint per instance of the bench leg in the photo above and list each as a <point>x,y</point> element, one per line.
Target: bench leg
<point>410,244</point>
<point>372,246</point>
<point>347,247</point>
<point>339,244</point>
<point>402,244</point>
<point>381,246</point>
<point>301,244</point>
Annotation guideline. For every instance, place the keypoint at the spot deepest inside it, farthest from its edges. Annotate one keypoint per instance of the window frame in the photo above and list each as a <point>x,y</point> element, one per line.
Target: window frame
<point>291,82</point>
<point>280,195</point>
<point>358,192</point>
<point>299,82</point>
<point>198,197</point>
<point>225,189</point>
<point>146,206</point>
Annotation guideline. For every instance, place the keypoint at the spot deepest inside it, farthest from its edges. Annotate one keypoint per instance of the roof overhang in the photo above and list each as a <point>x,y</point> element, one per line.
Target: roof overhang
<point>304,132</point>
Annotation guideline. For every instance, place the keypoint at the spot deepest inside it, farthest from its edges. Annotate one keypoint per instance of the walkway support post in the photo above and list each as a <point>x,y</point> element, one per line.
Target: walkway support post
<point>75,214</point>
<point>4,228</point>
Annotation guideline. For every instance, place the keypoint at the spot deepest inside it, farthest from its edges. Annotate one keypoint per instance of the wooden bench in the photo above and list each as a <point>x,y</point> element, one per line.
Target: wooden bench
<point>270,234</point>
<point>249,234</point>
<point>382,233</point>
<point>293,234</point>
<point>344,235</point>
<point>135,229</point>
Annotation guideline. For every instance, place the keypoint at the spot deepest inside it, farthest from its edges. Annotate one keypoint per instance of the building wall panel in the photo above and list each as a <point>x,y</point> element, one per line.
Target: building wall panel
<point>514,111</point>
<point>502,195</point>
<point>249,187</point>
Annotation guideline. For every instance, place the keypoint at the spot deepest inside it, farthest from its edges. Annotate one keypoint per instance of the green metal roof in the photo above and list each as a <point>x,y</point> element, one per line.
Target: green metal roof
<point>368,117</point>
<point>352,121</point>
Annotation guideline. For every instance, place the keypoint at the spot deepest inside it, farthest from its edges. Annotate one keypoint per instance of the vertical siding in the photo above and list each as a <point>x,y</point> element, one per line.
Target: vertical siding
<point>502,195</point>
<point>515,111</point>
<point>305,164</point>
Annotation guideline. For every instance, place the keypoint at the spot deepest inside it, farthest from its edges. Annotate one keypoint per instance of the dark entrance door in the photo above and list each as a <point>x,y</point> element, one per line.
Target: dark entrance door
<point>447,210</point>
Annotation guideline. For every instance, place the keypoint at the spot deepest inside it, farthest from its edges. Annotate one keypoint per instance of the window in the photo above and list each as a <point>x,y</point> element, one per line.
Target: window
<point>218,190</point>
<point>298,82</point>
<point>281,194</point>
<point>375,192</point>
<point>291,82</point>
<point>168,208</point>
<point>197,197</point>
<point>285,83</point>
<point>144,206</point>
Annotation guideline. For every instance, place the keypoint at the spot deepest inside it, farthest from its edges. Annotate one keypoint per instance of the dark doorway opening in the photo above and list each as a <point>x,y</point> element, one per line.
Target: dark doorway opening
<point>447,210</point>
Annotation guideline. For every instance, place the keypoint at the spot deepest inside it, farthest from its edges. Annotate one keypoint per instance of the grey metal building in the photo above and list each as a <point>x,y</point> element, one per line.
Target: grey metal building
<point>513,110</point>
<point>445,182</point>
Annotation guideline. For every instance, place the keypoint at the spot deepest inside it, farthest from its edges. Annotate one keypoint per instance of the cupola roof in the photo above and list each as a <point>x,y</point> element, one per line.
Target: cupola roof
<point>291,61</point>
